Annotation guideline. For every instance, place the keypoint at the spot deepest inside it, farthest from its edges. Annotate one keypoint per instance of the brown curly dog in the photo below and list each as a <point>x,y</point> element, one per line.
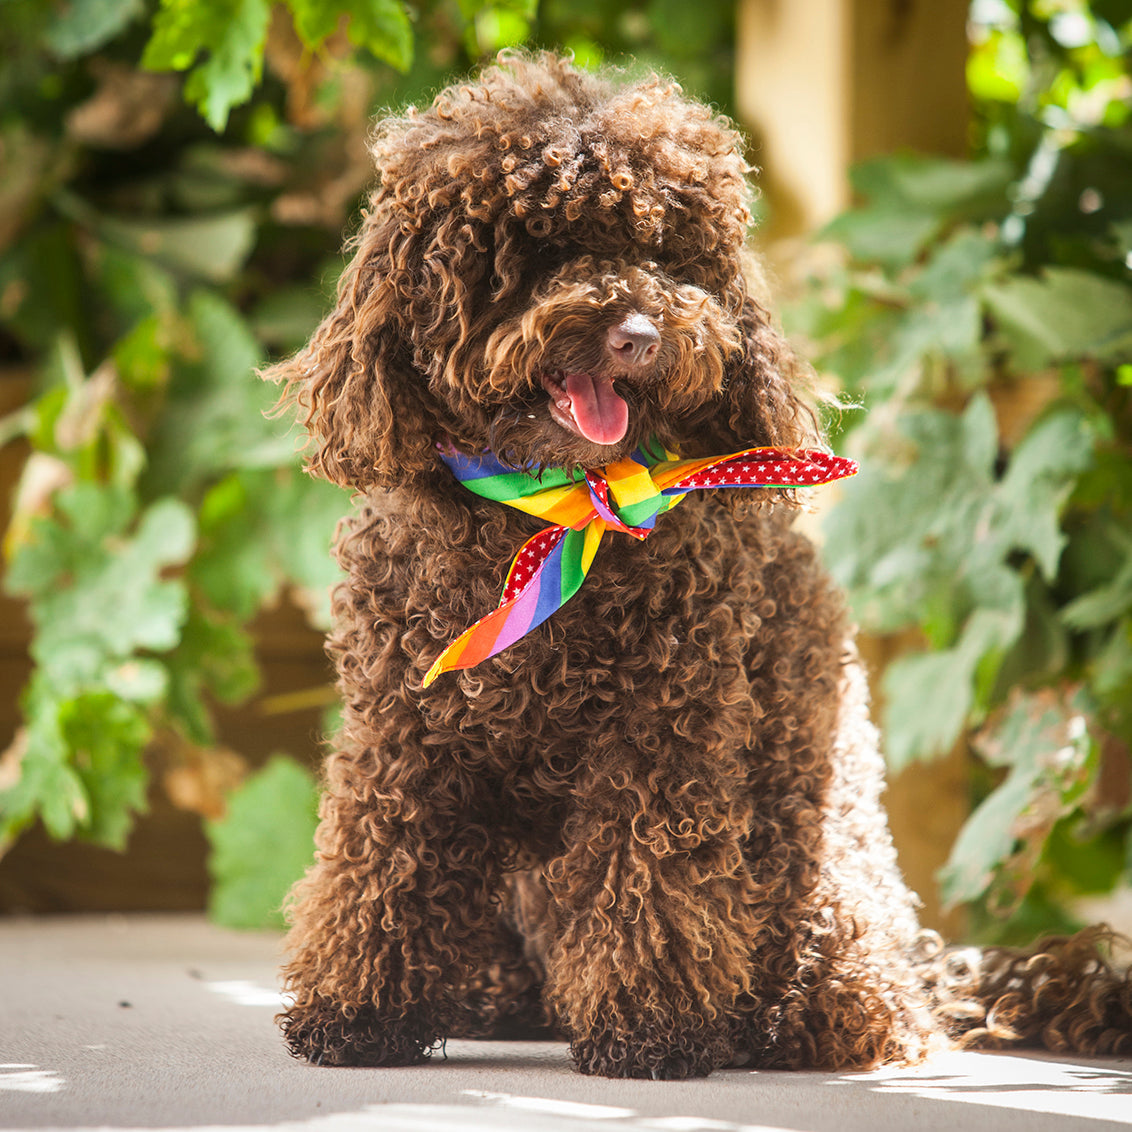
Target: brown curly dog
<point>653,821</point>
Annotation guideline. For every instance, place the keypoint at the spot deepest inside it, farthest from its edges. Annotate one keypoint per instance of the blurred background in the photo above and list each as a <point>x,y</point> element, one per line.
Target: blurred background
<point>946,212</point>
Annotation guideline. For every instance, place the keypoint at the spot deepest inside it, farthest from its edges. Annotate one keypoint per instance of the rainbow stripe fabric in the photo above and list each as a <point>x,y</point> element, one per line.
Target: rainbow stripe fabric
<point>626,496</point>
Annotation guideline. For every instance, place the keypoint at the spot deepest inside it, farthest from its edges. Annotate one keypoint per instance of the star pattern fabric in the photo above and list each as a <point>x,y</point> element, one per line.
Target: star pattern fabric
<point>626,496</point>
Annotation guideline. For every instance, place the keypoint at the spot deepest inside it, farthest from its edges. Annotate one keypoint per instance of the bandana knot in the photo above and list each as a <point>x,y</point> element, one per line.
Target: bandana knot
<point>625,496</point>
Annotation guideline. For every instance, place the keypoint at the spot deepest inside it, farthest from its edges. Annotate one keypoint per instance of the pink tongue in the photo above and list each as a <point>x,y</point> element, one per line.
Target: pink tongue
<point>601,416</point>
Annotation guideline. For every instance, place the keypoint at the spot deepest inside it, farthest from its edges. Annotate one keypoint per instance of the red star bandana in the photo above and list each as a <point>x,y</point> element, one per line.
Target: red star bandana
<point>626,496</point>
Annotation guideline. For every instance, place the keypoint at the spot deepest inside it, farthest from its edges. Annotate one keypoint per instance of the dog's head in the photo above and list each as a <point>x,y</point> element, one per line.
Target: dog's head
<point>552,267</point>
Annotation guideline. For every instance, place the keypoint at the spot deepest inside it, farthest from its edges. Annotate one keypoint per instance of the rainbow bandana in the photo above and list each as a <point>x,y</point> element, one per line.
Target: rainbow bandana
<point>626,496</point>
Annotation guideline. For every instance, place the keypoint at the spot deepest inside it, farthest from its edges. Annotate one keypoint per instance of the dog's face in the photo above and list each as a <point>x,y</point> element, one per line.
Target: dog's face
<point>552,268</point>
<point>604,353</point>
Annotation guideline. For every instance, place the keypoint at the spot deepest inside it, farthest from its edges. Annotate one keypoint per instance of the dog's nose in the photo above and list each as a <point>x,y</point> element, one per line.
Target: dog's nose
<point>634,340</point>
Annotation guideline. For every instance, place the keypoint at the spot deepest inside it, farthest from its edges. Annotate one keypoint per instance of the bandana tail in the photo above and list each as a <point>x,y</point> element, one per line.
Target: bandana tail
<point>756,467</point>
<point>557,561</point>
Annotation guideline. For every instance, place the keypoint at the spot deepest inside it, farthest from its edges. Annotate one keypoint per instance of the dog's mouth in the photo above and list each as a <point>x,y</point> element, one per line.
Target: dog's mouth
<point>587,405</point>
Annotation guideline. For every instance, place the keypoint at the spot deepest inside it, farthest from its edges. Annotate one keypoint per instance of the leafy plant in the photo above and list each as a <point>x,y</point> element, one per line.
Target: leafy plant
<point>983,319</point>
<point>176,175</point>
<point>250,885</point>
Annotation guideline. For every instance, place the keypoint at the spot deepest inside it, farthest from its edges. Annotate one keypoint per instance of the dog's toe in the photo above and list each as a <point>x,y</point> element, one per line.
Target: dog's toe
<point>660,1057</point>
<point>335,1037</point>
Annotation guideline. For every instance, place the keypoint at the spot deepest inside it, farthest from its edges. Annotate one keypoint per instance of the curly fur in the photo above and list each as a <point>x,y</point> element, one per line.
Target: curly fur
<point>654,823</point>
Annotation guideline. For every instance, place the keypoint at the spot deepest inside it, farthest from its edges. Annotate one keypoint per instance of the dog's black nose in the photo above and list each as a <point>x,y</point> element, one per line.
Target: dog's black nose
<point>634,340</point>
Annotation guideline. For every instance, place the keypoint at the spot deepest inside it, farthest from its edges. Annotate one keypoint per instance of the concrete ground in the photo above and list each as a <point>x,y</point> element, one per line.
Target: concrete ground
<point>166,1022</point>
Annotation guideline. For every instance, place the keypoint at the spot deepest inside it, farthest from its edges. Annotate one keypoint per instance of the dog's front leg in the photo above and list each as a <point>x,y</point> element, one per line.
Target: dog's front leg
<point>388,923</point>
<point>653,904</point>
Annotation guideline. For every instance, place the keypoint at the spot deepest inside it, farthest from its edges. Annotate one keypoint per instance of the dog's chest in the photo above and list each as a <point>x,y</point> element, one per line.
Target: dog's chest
<point>670,608</point>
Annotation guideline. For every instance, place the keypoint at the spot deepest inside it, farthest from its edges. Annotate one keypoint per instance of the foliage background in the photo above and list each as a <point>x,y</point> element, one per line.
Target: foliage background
<point>982,315</point>
<point>177,176</point>
<point>174,175</point>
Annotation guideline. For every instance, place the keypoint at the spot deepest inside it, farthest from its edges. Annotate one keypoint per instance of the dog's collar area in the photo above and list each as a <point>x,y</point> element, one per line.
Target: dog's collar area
<point>650,449</point>
<point>626,496</point>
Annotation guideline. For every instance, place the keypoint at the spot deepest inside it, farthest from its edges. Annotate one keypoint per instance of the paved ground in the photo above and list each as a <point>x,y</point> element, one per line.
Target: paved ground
<point>166,1022</point>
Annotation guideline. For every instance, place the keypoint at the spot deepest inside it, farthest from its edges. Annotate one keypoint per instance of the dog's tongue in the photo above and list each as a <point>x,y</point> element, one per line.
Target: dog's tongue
<point>601,416</point>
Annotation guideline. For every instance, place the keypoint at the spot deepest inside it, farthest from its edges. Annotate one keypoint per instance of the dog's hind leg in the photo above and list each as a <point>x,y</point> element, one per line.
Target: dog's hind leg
<point>503,1001</point>
<point>844,990</point>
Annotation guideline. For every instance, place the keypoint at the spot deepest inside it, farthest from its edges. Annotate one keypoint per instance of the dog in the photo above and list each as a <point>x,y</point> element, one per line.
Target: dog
<point>637,799</point>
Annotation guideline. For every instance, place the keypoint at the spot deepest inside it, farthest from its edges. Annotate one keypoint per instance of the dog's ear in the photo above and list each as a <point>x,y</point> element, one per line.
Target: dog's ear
<point>354,385</point>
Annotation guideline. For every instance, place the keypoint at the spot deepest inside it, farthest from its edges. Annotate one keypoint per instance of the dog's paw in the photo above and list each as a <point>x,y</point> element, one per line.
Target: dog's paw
<point>350,1036</point>
<point>657,1057</point>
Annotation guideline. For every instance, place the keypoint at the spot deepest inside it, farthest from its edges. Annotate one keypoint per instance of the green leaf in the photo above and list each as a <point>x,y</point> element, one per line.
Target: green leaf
<point>934,185</point>
<point>1089,864</point>
<point>142,355</point>
<point>1065,314</point>
<point>382,27</point>
<point>911,199</point>
<point>932,539</point>
<point>106,737</point>
<point>880,235</point>
<point>97,589</point>
<point>914,527</point>
<point>303,516</point>
<point>1044,742</point>
<point>132,281</point>
<point>497,27</point>
<point>232,33</point>
<point>928,696</point>
<point>233,567</point>
<point>41,279</point>
<point>1103,605</point>
<point>224,657</point>
<point>997,67</point>
<point>929,535</point>
<point>287,317</point>
<point>82,26</point>
<point>213,420</point>
<point>260,530</point>
<point>138,680</point>
<point>212,248</point>
<point>46,784</point>
<point>263,844</point>
<point>79,763</point>
<point>59,548</point>
<point>950,329</point>
<point>1042,473</point>
<point>1036,915</point>
<point>956,267</point>
<point>939,318</point>
<point>215,655</point>
<point>1042,650</point>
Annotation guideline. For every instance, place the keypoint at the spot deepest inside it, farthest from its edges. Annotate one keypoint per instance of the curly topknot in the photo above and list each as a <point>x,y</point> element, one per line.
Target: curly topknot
<point>539,148</point>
